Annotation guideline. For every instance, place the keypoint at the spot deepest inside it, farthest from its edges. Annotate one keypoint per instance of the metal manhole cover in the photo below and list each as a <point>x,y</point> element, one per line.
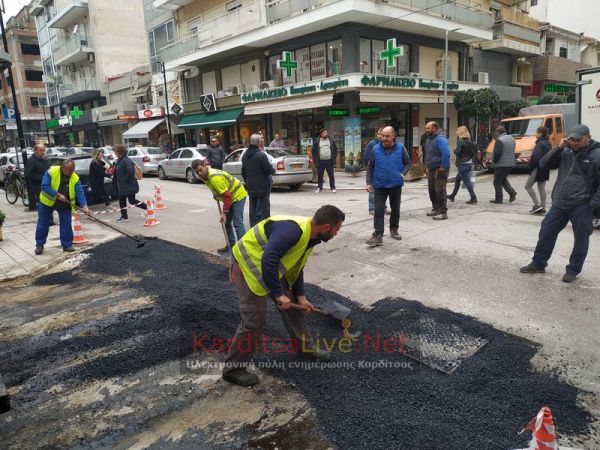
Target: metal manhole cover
<point>441,346</point>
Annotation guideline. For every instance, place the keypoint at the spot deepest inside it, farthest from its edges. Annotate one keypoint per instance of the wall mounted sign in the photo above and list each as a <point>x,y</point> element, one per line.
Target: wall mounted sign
<point>76,113</point>
<point>390,53</point>
<point>559,88</point>
<point>151,113</point>
<point>338,112</point>
<point>287,63</point>
<point>208,102</point>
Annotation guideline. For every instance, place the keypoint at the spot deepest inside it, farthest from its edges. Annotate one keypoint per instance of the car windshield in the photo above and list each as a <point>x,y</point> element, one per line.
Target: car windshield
<point>522,127</point>
<point>154,151</point>
<point>278,152</point>
<point>202,151</point>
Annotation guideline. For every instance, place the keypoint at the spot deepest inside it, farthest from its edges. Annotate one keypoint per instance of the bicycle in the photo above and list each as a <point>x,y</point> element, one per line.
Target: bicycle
<point>15,189</point>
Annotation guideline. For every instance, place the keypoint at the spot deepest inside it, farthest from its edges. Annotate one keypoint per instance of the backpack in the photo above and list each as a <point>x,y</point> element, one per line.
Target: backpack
<point>137,172</point>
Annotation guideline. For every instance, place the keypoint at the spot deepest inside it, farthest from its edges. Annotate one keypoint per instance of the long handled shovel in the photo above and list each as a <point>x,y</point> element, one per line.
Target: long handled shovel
<point>331,308</point>
<point>140,242</point>
<point>229,253</point>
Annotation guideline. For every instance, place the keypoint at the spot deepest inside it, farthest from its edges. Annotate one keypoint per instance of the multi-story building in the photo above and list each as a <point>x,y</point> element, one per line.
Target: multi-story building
<point>85,45</point>
<point>27,72</point>
<point>295,66</point>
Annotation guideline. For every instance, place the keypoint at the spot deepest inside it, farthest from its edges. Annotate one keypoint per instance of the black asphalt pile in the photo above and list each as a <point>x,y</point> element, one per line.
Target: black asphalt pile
<point>375,402</point>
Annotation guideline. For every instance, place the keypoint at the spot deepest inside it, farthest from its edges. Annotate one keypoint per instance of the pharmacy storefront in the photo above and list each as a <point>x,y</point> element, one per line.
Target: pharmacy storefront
<point>352,107</point>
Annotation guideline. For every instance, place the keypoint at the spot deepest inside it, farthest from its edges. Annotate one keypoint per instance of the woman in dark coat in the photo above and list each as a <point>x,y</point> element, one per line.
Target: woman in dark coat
<point>537,174</point>
<point>97,174</point>
<point>124,182</point>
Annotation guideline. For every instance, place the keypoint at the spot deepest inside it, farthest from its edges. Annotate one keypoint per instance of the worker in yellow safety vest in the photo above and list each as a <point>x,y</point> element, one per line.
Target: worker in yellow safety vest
<point>229,190</point>
<point>268,262</point>
<point>60,189</point>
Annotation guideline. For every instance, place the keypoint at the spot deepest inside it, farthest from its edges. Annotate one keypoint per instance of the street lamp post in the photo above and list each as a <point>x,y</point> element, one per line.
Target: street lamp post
<point>444,125</point>
<point>162,68</point>
<point>46,121</point>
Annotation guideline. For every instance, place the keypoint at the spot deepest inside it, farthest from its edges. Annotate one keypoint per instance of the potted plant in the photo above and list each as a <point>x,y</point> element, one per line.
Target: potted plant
<point>2,217</point>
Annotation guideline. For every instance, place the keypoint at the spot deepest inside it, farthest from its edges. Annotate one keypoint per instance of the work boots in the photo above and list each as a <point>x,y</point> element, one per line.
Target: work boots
<point>395,235</point>
<point>241,377</point>
<point>440,216</point>
<point>375,240</point>
<point>473,201</point>
<point>432,213</point>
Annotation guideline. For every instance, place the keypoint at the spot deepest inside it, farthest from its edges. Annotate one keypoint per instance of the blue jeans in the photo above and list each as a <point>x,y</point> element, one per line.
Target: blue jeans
<point>235,219</point>
<point>260,209</point>
<point>43,226</point>
<point>556,220</point>
<point>464,170</point>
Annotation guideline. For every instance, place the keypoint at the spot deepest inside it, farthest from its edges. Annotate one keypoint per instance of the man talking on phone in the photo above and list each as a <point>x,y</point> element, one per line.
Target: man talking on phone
<point>575,199</point>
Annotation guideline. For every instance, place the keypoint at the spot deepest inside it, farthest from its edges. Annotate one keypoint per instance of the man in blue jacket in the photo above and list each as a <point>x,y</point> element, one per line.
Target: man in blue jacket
<point>388,164</point>
<point>575,199</point>
<point>437,162</point>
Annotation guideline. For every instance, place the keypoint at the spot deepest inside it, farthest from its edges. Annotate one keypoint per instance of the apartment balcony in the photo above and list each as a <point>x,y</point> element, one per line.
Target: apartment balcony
<point>78,48</point>
<point>256,24</point>
<point>555,68</point>
<point>80,90</point>
<point>170,5</point>
<point>74,11</point>
<point>514,39</point>
<point>38,6</point>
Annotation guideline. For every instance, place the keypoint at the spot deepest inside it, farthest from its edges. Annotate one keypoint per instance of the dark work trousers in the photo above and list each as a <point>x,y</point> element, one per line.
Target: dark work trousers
<point>253,316</point>
<point>325,166</point>
<point>501,181</point>
<point>556,220</point>
<point>260,208</point>
<point>436,182</point>
<point>381,196</point>
<point>132,201</point>
<point>33,194</point>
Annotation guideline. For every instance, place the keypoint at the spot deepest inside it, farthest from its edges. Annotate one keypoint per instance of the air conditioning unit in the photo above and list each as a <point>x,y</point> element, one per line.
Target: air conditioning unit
<point>238,89</point>
<point>267,84</point>
<point>483,77</point>
<point>91,57</point>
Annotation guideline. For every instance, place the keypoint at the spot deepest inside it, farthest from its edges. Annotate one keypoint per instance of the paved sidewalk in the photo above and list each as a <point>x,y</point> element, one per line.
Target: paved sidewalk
<point>17,250</point>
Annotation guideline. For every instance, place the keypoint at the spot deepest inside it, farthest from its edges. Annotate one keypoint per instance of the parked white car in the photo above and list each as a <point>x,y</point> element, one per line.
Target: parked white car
<point>179,164</point>
<point>146,158</point>
<point>291,170</point>
<point>55,151</point>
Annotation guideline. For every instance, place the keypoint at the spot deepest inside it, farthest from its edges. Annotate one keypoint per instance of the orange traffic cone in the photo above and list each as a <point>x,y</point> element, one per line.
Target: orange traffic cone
<point>150,219</point>
<point>542,427</point>
<point>77,232</point>
<point>158,198</point>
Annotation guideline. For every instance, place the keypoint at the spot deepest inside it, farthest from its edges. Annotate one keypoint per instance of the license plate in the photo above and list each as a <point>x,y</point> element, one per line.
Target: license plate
<point>297,165</point>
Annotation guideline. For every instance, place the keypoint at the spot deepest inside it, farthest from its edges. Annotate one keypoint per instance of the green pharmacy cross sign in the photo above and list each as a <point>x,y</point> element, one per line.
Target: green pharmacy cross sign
<point>76,113</point>
<point>391,52</point>
<point>287,63</point>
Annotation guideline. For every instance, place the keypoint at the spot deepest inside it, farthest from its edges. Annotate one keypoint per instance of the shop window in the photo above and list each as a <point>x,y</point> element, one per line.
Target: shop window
<point>272,71</point>
<point>303,58</point>
<point>365,55</point>
<point>318,61</point>
<point>334,58</point>
<point>35,102</point>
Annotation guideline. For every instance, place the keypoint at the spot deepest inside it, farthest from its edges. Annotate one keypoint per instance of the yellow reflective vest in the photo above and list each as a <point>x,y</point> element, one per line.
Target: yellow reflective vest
<point>219,182</point>
<point>54,172</point>
<point>248,252</point>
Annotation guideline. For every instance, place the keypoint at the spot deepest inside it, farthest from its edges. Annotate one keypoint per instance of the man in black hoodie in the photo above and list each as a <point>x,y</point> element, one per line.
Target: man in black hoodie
<point>35,168</point>
<point>257,172</point>
<point>575,199</point>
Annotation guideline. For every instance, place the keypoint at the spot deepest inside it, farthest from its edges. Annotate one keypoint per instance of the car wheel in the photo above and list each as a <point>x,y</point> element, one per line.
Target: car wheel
<point>191,177</point>
<point>161,173</point>
<point>295,187</point>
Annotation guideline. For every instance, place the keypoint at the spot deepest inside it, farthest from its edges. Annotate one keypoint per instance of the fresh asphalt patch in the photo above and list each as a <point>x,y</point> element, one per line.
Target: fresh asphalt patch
<point>371,396</point>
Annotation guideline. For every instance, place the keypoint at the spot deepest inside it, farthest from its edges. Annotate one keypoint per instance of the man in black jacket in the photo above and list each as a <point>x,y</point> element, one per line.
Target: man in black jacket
<point>215,154</point>
<point>575,199</point>
<point>35,168</point>
<point>257,172</point>
<point>324,153</point>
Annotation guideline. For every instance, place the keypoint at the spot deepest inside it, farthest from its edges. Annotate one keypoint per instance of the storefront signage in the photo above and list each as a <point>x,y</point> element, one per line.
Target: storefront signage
<point>299,89</point>
<point>391,52</point>
<point>338,112</point>
<point>128,117</point>
<point>114,111</point>
<point>418,83</point>
<point>559,88</point>
<point>52,123</point>
<point>65,120</point>
<point>287,64</point>
<point>369,110</point>
<point>151,113</point>
<point>76,113</point>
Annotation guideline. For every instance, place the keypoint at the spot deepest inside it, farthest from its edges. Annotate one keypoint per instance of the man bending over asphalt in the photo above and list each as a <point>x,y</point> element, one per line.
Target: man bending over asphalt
<point>269,262</point>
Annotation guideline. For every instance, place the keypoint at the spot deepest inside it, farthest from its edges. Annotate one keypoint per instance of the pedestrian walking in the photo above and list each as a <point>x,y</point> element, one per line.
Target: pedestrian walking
<point>277,142</point>
<point>97,174</point>
<point>503,158</point>
<point>60,190</point>
<point>35,169</point>
<point>324,151</point>
<point>465,152</point>
<point>229,190</point>
<point>125,184</point>
<point>538,175</point>
<point>437,163</point>
<point>575,199</point>
<point>215,154</point>
<point>269,261</point>
<point>388,165</point>
<point>257,174</point>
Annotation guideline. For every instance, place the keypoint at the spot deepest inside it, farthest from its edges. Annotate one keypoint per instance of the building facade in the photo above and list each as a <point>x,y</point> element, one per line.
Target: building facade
<point>86,44</point>
<point>27,72</point>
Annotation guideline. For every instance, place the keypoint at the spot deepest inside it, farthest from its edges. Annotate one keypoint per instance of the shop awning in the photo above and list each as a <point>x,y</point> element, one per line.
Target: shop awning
<point>289,104</point>
<point>389,96</point>
<point>141,129</point>
<point>211,119</point>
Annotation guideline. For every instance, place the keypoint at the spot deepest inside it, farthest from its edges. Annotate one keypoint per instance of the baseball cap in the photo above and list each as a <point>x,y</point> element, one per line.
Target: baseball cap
<point>578,131</point>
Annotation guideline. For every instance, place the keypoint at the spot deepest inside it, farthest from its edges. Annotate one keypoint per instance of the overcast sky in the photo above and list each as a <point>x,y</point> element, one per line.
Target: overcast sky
<point>12,7</point>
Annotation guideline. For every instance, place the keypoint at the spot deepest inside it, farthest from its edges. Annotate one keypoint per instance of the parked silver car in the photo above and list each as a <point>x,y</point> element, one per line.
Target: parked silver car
<point>55,151</point>
<point>147,158</point>
<point>108,153</point>
<point>179,164</point>
<point>77,151</point>
<point>291,170</point>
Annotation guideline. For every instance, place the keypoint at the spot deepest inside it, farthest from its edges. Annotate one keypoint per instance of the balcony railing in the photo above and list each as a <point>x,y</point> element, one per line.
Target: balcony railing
<point>79,42</point>
<point>79,85</point>
<point>217,26</point>
<point>507,30</point>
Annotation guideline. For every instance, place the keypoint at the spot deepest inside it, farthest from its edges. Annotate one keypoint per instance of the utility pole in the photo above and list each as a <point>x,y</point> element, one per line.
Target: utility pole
<point>46,121</point>
<point>445,124</point>
<point>14,94</point>
<point>162,68</point>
